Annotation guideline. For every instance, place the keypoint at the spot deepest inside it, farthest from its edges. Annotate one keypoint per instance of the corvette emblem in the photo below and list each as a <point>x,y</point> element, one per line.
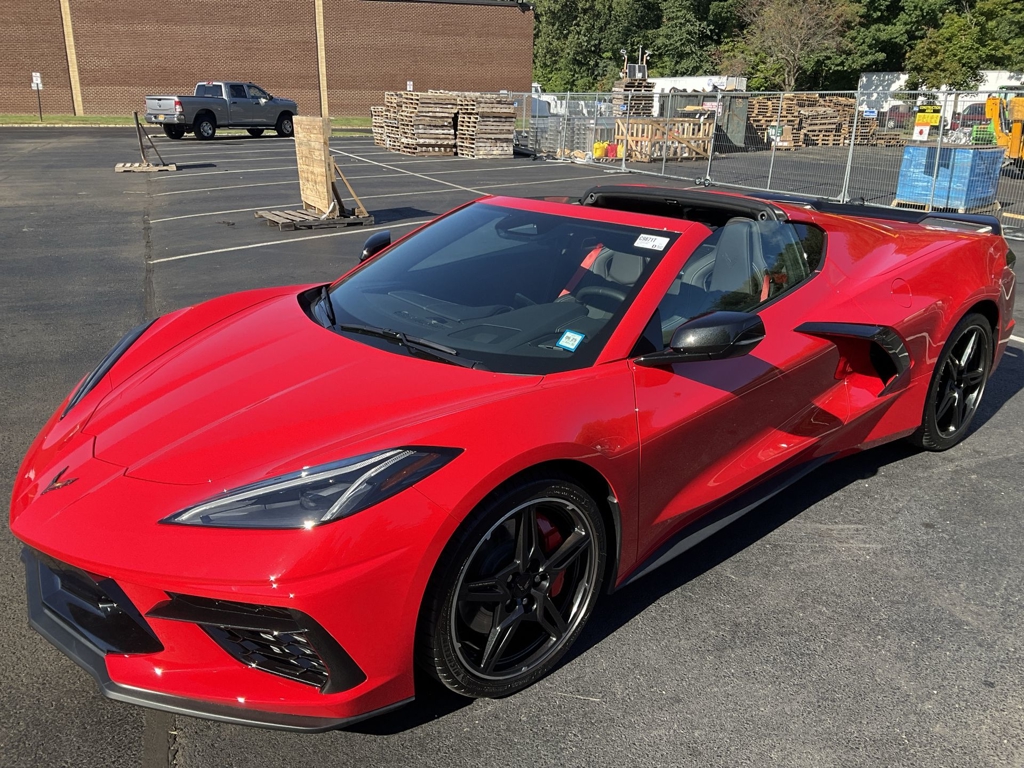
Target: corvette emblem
<point>56,484</point>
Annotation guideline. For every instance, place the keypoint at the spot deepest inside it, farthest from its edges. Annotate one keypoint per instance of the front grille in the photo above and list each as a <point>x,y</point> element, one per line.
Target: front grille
<point>288,654</point>
<point>96,610</point>
<point>281,641</point>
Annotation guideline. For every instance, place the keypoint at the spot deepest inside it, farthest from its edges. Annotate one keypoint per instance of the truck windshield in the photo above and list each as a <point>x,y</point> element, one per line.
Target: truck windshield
<point>518,291</point>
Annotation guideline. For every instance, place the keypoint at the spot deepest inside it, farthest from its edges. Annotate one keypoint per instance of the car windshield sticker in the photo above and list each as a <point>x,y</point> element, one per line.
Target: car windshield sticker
<point>570,340</point>
<point>653,242</point>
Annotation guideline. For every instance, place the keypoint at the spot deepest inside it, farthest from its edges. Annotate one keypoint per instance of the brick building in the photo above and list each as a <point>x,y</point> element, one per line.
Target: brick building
<point>102,57</point>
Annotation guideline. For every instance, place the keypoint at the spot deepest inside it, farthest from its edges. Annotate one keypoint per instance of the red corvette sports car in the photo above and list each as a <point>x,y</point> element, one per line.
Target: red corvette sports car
<point>271,507</point>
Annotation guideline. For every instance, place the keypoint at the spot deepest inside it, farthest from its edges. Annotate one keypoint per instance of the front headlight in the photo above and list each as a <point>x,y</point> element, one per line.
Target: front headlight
<point>318,495</point>
<point>105,365</point>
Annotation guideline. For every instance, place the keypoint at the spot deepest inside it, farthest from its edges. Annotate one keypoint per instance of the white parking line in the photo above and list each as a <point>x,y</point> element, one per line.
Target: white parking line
<point>185,163</point>
<point>1018,339</point>
<point>221,213</point>
<point>173,176</point>
<point>217,189</point>
<point>290,241</point>
<point>376,197</point>
<point>353,178</point>
<point>411,173</point>
<point>205,155</point>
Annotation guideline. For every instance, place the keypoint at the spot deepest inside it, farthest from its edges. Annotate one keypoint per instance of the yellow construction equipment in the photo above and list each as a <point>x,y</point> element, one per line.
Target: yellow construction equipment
<point>1006,111</point>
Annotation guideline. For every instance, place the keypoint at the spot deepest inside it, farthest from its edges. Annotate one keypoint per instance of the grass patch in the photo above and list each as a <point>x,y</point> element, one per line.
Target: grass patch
<point>66,119</point>
<point>337,123</point>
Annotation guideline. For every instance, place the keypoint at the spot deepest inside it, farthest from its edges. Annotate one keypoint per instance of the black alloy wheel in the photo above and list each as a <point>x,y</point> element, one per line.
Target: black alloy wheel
<point>254,132</point>
<point>513,592</point>
<point>174,131</point>
<point>957,385</point>
<point>285,128</point>
<point>205,128</point>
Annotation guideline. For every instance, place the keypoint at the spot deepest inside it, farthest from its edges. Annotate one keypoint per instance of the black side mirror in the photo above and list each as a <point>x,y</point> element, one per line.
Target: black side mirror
<point>714,336</point>
<point>375,243</point>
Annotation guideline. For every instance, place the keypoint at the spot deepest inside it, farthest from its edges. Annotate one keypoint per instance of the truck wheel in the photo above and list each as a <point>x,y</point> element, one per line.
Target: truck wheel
<point>254,131</point>
<point>284,128</point>
<point>174,131</point>
<point>205,127</point>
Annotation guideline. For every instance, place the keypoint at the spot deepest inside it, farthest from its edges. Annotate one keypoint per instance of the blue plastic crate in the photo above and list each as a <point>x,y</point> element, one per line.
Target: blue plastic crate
<point>967,177</point>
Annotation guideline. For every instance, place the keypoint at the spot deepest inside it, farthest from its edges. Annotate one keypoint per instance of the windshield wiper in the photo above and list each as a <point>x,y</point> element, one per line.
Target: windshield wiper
<point>414,343</point>
<point>325,301</point>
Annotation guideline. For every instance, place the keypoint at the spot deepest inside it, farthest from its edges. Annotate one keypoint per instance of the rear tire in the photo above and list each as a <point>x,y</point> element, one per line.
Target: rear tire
<point>957,384</point>
<point>285,128</point>
<point>174,131</point>
<point>205,127</point>
<point>514,588</point>
<point>256,132</point>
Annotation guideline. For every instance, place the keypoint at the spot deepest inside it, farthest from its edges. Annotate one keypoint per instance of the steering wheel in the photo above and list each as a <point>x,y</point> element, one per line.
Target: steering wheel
<point>601,290</point>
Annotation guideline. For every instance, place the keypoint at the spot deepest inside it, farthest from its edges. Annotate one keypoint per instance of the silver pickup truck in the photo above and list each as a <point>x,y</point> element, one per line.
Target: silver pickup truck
<point>221,105</point>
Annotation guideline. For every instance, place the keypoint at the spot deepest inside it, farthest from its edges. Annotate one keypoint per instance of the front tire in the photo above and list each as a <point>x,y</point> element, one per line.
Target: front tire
<point>285,128</point>
<point>957,384</point>
<point>205,127</point>
<point>514,588</point>
<point>254,132</point>
<point>174,131</point>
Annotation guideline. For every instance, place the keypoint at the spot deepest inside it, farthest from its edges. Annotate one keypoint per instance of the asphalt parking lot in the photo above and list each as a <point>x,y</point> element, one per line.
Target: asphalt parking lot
<point>872,616</point>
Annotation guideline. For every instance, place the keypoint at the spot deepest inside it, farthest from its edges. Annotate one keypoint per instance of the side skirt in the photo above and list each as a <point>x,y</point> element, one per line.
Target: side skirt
<point>719,518</point>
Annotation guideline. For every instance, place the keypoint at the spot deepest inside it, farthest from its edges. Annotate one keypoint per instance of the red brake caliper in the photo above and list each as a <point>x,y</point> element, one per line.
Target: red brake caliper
<point>550,540</point>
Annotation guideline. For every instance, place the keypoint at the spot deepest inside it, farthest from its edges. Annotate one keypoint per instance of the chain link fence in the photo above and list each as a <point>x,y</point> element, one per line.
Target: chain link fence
<point>911,149</point>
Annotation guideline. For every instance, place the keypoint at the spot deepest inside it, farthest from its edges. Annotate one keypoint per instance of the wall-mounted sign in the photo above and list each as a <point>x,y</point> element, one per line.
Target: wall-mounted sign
<point>870,113</point>
<point>408,85</point>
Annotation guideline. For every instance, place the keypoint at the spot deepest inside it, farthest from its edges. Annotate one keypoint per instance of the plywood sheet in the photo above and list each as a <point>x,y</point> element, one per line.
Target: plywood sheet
<point>312,152</point>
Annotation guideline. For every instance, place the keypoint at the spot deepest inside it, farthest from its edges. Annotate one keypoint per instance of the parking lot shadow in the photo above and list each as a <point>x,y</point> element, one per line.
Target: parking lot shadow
<point>393,215</point>
<point>1006,382</point>
<point>616,610</point>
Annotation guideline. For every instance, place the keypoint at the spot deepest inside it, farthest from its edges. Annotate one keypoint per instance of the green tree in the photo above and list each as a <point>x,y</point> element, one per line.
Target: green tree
<point>683,42</point>
<point>785,38</point>
<point>950,55</point>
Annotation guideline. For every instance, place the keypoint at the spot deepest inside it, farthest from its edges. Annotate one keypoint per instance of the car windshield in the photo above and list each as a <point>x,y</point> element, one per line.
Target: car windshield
<point>515,290</point>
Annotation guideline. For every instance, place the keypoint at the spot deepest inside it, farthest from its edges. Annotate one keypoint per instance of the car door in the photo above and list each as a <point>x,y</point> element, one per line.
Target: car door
<point>238,104</point>
<point>259,106</point>
<point>710,430</point>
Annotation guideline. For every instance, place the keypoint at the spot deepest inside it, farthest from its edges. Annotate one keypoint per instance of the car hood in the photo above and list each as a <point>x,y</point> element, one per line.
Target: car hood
<point>267,390</point>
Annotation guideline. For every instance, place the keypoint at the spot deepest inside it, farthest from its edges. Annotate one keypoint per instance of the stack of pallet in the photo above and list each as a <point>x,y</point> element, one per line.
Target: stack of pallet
<point>392,105</point>
<point>426,123</point>
<point>377,126</point>
<point>823,127</point>
<point>637,95</point>
<point>808,119</point>
<point>486,126</point>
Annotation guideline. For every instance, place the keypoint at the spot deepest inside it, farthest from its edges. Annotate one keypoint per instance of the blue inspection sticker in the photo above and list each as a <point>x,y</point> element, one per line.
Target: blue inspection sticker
<point>570,340</point>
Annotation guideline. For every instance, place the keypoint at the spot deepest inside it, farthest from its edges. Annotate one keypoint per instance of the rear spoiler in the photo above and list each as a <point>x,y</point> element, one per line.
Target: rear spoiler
<point>973,222</point>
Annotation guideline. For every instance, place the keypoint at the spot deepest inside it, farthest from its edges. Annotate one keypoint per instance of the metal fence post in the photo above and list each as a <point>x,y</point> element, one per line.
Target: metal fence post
<point>711,144</point>
<point>563,126</point>
<point>775,139</point>
<point>593,127</point>
<point>623,148</point>
<point>938,154</point>
<point>664,138</point>
<point>844,195</point>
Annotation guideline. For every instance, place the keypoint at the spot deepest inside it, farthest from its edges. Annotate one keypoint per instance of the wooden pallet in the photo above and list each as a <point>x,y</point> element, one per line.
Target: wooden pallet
<point>288,220</point>
<point>143,167</point>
